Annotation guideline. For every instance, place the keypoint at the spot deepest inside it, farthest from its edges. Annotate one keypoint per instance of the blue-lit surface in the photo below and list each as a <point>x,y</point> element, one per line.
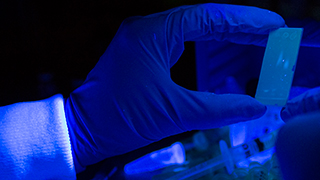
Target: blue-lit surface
<point>246,131</point>
<point>200,169</point>
<point>172,155</point>
<point>243,154</point>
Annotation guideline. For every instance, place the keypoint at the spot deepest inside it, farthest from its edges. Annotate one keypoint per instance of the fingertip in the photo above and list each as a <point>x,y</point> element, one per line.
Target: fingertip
<point>261,110</point>
<point>255,108</point>
<point>277,18</point>
<point>284,114</point>
<point>265,109</point>
<point>273,20</point>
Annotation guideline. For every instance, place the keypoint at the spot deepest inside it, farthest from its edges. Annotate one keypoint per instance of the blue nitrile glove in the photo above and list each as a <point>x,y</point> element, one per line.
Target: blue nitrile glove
<point>129,100</point>
<point>298,147</point>
<point>307,102</point>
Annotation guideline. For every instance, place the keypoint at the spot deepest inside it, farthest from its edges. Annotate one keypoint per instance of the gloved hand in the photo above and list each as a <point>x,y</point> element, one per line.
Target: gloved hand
<point>129,100</point>
<point>307,102</point>
<point>298,147</point>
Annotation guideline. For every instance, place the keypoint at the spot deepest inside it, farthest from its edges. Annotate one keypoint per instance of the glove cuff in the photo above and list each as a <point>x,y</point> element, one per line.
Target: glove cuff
<point>35,141</point>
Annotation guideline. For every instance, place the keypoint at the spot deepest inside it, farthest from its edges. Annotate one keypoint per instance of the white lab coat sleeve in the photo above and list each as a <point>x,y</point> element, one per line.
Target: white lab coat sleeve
<point>34,141</point>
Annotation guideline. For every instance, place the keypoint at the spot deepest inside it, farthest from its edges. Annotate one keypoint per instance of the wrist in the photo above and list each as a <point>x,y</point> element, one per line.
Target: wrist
<point>35,141</point>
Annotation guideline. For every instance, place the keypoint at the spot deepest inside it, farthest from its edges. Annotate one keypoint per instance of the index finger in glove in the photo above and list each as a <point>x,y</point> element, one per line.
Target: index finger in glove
<point>222,22</point>
<point>234,23</point>
<point>162,35</point>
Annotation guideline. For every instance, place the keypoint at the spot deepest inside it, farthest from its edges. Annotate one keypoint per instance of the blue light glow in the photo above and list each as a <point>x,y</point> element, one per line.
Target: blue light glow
<point>247,131</point>
<point>174,154</point>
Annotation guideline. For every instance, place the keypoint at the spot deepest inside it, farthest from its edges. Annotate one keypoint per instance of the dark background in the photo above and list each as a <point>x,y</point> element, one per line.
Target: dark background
<point>48,47</point>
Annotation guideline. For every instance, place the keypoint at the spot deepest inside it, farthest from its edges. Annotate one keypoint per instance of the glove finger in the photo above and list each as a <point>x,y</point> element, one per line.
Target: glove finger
<point>238,24</point>
<point>163,40</point>
<point>204,110</point>
<point>218,21</point>
<point>304,103</point>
